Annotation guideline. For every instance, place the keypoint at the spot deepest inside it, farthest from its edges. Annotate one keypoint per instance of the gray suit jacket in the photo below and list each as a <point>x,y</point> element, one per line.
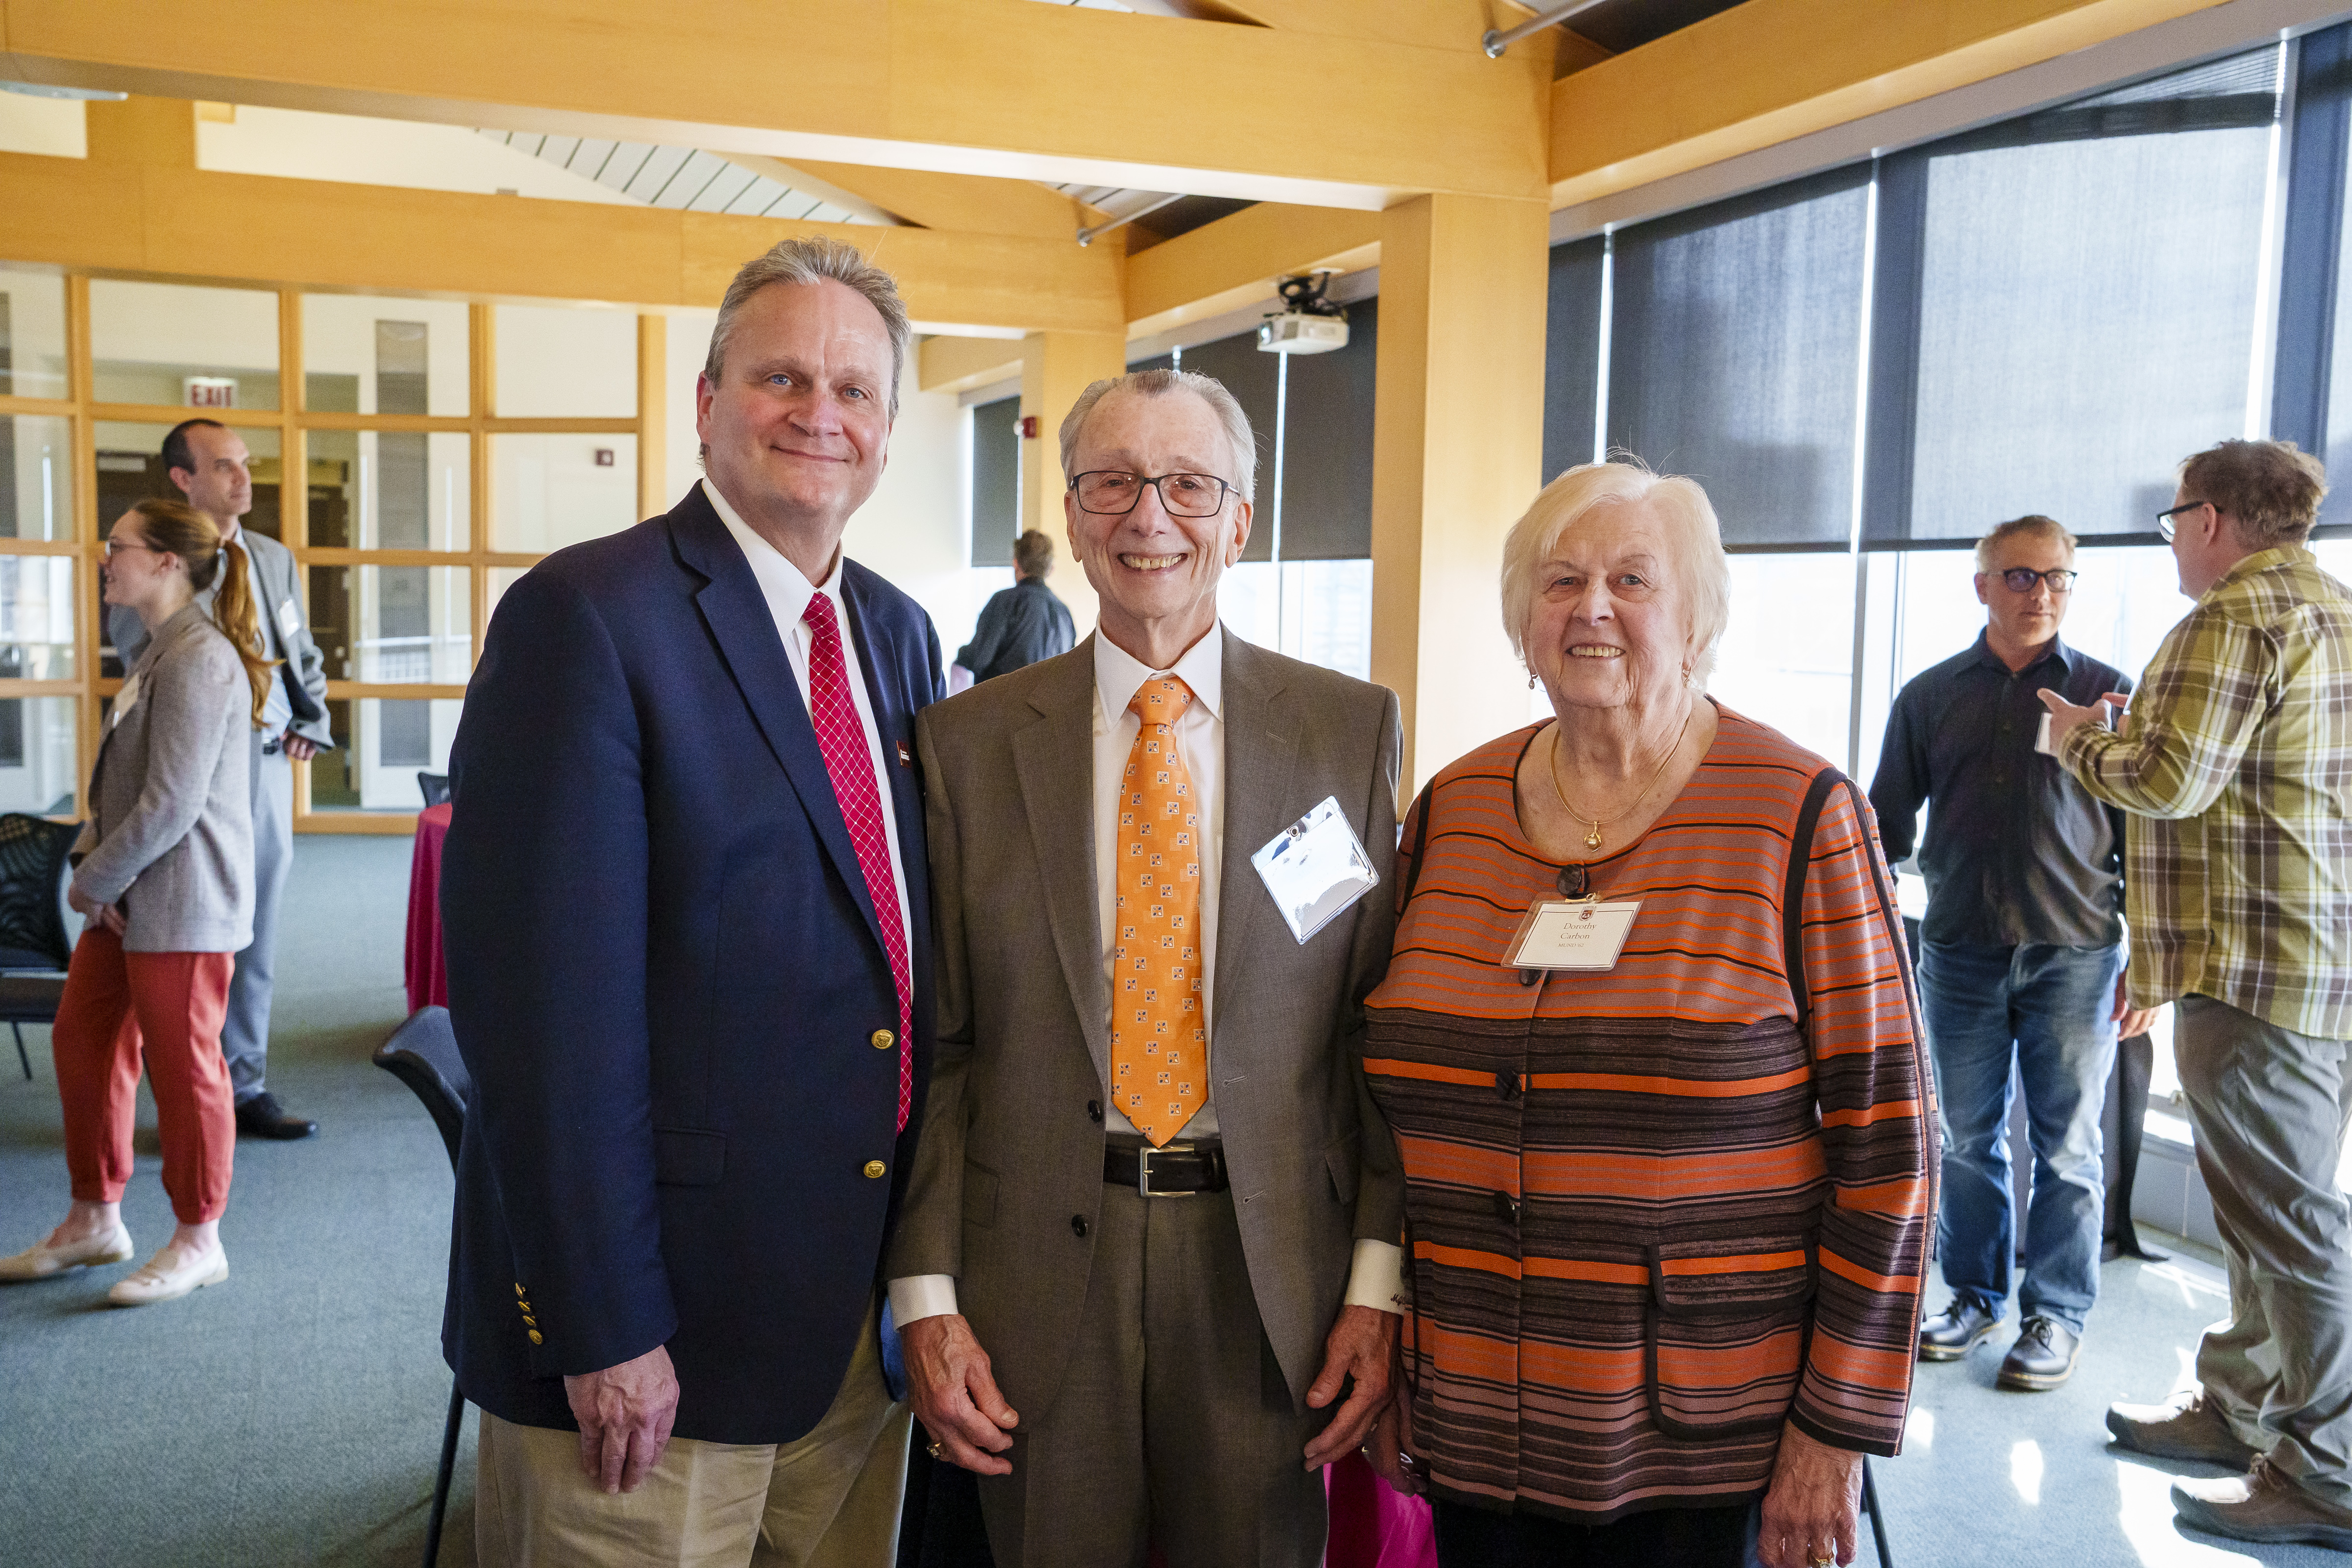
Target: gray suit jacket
<point>274,589</point>
<point>1012,1146</point>
<point>170,834</point>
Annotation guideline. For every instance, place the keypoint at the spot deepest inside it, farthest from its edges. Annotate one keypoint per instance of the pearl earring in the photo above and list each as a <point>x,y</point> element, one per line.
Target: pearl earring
<point>1532,681</point>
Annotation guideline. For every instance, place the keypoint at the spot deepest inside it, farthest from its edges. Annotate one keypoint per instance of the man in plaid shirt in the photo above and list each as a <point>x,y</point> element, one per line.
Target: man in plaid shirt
<point>2236,766</point>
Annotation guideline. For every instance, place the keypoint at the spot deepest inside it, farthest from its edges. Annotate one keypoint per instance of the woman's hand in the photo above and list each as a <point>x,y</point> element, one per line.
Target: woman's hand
<point>1813,1504</point>
<point>106,916</point>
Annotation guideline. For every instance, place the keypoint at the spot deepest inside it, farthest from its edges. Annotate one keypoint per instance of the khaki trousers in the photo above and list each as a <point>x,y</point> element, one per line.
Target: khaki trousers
<point>829,1499</point>
<point>2269,1109</point>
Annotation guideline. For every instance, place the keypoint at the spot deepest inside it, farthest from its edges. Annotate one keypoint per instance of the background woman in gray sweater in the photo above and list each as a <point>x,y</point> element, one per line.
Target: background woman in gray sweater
<point>165,876</point>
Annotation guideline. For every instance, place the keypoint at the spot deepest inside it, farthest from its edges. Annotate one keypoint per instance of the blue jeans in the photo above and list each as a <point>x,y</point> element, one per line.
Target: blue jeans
<point>2047,1010</point>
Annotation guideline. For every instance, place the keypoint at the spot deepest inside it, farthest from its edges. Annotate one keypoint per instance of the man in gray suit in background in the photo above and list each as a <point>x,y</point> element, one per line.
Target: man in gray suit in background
<point>1152,1207</point>
<point>212,468</point>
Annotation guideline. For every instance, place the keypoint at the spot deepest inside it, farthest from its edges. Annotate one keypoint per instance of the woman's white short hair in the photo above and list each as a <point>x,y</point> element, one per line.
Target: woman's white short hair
<point>1695,557</point>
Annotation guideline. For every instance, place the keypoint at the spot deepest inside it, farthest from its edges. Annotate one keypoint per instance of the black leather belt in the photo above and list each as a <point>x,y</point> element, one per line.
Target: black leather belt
<point>1178,1170</point>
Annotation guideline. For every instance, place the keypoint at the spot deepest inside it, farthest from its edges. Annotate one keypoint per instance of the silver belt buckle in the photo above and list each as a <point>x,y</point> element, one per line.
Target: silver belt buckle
<point>1143,1171</point>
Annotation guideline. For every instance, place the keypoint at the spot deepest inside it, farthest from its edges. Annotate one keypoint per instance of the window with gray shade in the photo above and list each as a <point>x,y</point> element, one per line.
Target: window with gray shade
<point>1573,354</point>
<point>402,491</point>
<point>404,733</point>
<point>1734,355</point>
<point>1251,377</point>
<point>2088,289</point>
<point>995,481</point>
<point>1326,447</point>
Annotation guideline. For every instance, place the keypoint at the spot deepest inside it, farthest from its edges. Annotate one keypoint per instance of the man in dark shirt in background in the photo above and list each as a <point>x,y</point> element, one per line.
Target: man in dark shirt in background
<point>1024,623</point>
<point>2020,952</point>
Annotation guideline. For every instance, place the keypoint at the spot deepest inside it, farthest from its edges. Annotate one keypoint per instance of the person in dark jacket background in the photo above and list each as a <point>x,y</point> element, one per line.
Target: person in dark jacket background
<point>1024,623</point>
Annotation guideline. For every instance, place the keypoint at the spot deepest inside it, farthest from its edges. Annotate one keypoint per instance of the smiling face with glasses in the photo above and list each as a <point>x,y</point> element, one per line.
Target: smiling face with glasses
<point>2027,581</point>
<point>1154,518</point>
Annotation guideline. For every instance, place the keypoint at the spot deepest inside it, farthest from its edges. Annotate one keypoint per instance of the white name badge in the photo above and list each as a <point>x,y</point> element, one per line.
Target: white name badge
<point>1572,933</point>
<point>289,618</point>
<point>1315,868</point>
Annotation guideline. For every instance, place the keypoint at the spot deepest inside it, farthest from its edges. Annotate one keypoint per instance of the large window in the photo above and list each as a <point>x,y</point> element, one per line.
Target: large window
<point>2043,315</point>
<point>415,455</point>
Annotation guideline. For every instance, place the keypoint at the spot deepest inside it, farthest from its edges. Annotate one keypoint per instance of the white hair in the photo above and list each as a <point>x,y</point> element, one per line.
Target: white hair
<point>1159,383</point>
<point>1694,542</point>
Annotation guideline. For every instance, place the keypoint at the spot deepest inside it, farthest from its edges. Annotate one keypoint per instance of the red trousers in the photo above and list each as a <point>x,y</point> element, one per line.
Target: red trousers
<point>175,1002</point>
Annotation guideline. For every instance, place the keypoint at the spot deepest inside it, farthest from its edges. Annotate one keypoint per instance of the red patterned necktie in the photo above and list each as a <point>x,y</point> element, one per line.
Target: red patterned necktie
<point>841,737</point>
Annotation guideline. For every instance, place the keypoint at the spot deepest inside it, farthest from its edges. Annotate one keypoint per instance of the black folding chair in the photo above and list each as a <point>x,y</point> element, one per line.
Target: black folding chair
<point>34,948</point>
<point>423,1054</point>
<point>434,787</point>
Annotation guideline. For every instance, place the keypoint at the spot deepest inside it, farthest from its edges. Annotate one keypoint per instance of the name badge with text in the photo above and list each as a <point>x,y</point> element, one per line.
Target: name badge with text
<point>1316,868</point>
<point>289,619</point>
<point>1572,933</point>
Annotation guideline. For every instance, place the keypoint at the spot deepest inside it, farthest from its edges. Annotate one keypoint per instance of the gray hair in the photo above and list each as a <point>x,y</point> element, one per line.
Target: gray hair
<point>1694,547</point>
<point>1159,383</point>
<point>2032,525</point>
<point>814,261</point>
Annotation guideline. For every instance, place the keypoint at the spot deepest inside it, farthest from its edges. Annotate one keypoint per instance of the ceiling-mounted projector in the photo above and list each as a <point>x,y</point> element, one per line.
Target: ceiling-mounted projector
<point>1307,323</point>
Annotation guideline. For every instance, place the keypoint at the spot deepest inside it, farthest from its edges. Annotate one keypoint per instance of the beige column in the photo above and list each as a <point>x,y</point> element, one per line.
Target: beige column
<point>1457,454</point>
<point>1054,368</point>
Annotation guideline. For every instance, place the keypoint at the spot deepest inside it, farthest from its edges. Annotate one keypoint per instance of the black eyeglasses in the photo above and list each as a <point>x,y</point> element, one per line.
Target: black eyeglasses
<point>2164,519</point>
<point>1112,492</point>
<point>2020,579</point>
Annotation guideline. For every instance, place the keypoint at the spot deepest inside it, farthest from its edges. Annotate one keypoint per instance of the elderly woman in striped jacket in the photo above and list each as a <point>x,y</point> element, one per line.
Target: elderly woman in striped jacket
<point>1649,1049</point>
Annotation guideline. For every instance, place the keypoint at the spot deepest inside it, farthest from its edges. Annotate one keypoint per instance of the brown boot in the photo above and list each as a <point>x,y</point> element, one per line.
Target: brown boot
<point>2183,1428</point>
<point>2262,1505</point>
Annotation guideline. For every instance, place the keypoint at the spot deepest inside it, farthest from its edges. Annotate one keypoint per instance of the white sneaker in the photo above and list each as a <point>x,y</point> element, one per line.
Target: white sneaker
<point>157,1282</point>
<point>41,1260</point>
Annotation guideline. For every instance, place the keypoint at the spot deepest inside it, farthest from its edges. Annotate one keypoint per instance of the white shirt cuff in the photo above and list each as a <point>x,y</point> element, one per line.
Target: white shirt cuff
<point>920,1296</point>
<point>1375,1277</point>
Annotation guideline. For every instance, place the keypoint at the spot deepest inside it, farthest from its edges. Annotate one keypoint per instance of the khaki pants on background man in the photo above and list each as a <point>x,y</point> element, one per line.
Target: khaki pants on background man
<point>829,1499</point>
<point>2268,1109</point>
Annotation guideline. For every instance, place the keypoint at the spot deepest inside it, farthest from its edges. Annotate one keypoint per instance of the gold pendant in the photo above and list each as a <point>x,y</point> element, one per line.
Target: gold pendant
<point>1592,839</point>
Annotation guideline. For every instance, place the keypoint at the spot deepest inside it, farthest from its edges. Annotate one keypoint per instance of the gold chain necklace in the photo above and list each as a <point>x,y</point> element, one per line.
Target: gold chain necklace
<point>1592,839</point>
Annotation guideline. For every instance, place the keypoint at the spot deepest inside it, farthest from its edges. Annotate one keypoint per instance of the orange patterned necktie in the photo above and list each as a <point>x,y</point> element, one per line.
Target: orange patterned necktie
<point>1159,1034</point>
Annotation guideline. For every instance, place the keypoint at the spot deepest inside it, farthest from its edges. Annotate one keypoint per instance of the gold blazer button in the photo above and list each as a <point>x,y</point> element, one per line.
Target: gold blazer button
<point>535,1339</point>
<point>874,1168</point>
<point>883,1040</point>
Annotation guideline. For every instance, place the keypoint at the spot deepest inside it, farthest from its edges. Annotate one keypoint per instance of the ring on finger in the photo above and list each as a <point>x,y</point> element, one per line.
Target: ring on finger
<point>936,1454</point>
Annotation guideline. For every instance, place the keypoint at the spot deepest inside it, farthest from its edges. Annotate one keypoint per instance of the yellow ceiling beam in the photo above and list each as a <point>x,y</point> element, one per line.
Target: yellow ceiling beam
<point>958,364</point>
<point>1454,24</point>
<point>974,204</point>
<point>1001,88</point>
<point>149,217</point>
<point>1234,262</point>
<point>1771,70</point>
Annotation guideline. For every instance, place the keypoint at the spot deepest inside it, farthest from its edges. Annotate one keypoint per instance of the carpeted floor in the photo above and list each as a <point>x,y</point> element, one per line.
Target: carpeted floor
<point>293,1415</point>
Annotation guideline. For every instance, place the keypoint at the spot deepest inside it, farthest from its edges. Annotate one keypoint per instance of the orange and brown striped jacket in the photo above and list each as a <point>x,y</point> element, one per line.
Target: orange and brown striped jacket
<point>1650,1219</point>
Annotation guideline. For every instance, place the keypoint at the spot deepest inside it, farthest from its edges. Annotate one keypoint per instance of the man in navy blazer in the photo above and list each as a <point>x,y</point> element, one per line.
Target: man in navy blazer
<point>688,941</point>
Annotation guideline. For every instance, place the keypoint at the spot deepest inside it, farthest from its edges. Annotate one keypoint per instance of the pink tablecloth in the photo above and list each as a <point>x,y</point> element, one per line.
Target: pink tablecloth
<point>428,977</point>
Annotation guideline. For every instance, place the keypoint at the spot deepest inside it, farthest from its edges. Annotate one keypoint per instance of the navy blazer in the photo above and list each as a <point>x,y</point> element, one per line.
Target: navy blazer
<point>667,980</point>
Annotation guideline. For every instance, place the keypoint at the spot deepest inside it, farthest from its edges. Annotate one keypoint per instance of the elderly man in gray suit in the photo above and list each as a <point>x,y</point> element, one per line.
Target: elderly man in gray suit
<point>1153,1207</point>
<point>212,468</point>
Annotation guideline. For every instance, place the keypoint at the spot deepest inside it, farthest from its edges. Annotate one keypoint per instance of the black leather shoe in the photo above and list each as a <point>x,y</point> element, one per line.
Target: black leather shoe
<point>2043,1356</point>
<point>263,1117</point>
<point>1956,1331</point>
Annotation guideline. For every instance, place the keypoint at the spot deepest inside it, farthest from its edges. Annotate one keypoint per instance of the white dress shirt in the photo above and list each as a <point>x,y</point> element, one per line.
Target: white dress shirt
<point>1374,1280</point>
<point>788,591</point>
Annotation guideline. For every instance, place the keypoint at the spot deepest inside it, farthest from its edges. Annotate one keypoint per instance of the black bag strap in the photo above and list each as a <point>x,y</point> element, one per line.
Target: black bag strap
<point>1792,891</point>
